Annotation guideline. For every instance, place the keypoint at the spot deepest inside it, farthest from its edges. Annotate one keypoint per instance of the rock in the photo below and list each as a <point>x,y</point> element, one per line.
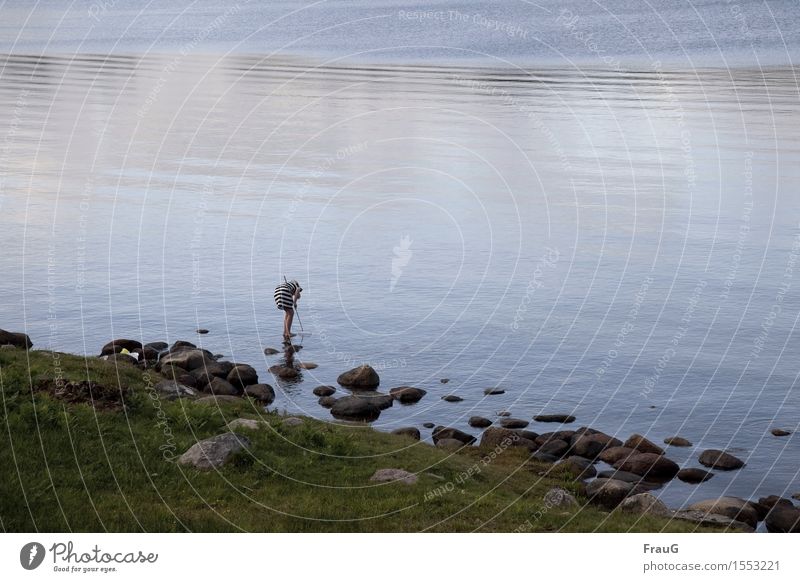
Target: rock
<point>205,374</point>
<point>711,519</point>
<point>428,425</point>
<point>556,447</point>
<point>407,394</point>
<point>513,423</point>
<point>393,475</point>
<point>450,444</point>
<point>677,441</point>
<point>479,422</point>
<point>614,454</point>
<point>189,359</point>
<point>157,346</point>
<point>770,501</point>
<point>121,359</point>
<point>187,380</point>
<point>112,347</point>
<point>783,519</point>
<point>731,507</point>
<point>608,493</point>
<point>643,445</point>
<point>645,503</point>
<point>620,476</point>
<point>653,466</point>
<point>493,391</point>
<point>503,413</point>
<point>180,344</point>
<point>363,378</point>
<point>308,365</point>
<point>444,432</point>
<point>559,498</point>
<point>562,418</point>
<point>694,475</point>
<point>444,380</point>
<point>409,431</point>
<point>201,331</point>
<point>270,351</point>
<point>780,432</point>
<point>796,495</point>
<point>217,399</point>
<point>720,460</point>
<point>242,375</point>
<point>327,401</point>
<point>355,408</point>
<point>214,452</point>
<point>292,421</point>
<point>382,401</point>
<point>323,390</point>
<point>578,467</point>
<point>173,390</point>
<point>284,372</point>
<point>263,393</point>
<point>561,435</point>
<point>588,446</point>
<point>494,437</point>
<point>544,457</point>
<point>452,398</point>
<point>221,387</point>
<point>527,434</point>
<point>246,424</point>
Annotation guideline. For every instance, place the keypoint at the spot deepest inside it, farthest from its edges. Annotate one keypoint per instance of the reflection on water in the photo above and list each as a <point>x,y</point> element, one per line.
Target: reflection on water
<point>622,246</point>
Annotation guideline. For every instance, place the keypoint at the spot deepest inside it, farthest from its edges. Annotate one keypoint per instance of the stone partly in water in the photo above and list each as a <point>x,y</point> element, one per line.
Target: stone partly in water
<point>650,465</point>
<point>284,372</point>
<point>270,351</point>
<point>559,498</point>
<point>242,375</point>
<point>493,391</point>
<point>731,507</point>
<point>409,431</point>
<point>561,418</point>
<point>444,432</point>
<point>263,393</point>
<point>202,331</point>
<point>503,413</point>
<point>428,425</point>
<point>394,476</point>
<point>444,380</point>
<point>643,445</point>
<point>677,441</point>
<point>362,378</point>
<point>382,401</point>
<point>694,475</point>
<point>479,422</point>
<point>614,454</point>
<point>323,391</point>
<point>452,398</point>
<point>645,503</point>
<point>608,493</point>
<point>355,409</point>
<point>112,347</point>
<point>214,452</point>
<point>407,394</point>
<point>780,432</point>
<point>308,365</point>
<point>721,460</point>
<point>513,423</point>
<point>327,401</point>
<point>783,519</point>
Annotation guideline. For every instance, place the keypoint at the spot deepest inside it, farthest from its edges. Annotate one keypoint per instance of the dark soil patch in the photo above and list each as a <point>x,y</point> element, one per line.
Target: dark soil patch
<point>85,392</point>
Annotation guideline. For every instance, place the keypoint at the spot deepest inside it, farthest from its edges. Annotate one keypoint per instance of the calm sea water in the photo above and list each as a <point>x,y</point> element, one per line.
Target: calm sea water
<point>600,227</point>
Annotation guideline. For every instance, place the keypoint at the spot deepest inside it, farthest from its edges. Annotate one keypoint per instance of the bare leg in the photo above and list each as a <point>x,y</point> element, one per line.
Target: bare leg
<point>287,323</point>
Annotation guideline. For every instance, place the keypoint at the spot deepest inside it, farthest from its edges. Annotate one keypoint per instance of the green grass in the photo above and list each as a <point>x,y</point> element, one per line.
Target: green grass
<point>70,467</point>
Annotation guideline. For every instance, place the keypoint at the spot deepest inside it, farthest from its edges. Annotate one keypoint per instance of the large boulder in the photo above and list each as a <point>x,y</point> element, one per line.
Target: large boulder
<point>555,447</point>
<point>615,454</point>
<point>608,493</point>
<point>643,445</point>
<point>730,507</point>
<point>362,378</point>
<point>327,401</point>
<point>382,401</point>
<point>214,452</point>
<point>694,475</point>
<point>589,445</point>
<point>221,387</point>
<point>721,460</point>
<point>444,432</point>
<point>653,466</point>
<point>783,519</point>
<point>479,422</point>
<point>16,339</point>
<point>263,393</point>
<point>158,347</point>
<point>642,503</point>
<point>242,375</point>
<point>189,359</point>
<point>578,467</point>
<point>494,437</point>
<point>323,391</point>
<point>117,359</point>
<point>355,409</point>
<point>115,346</point>
<point>407,394</point>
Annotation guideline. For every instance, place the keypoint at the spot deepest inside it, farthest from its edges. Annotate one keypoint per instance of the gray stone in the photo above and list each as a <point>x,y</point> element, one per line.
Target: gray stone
<point>645,503</point>
<point>284,372</point>
<point>452,398</point>
<point>731,507</point>
<point>555,447</point>
<point>292,421</point>
<point>270,351</point>
<point>783,519</point>
<point>246,424</point>
<point>677,441</point>
<point>711,519</point>
<point>242,375</point>
<point>560,418</point>
<point>394,476</point>
<point>218,399</point>
<point>214,452</point>
<point>407,394</point>
<point>479,422</point>
<point>327,401</point>
<point>112,347</point>
<point>363,378</point>
<point>721,460</point>
<point>221,387</point>
<point>449,444</point>
<point>694,475</point>
<point>323,391</point>
<point>780,432</point>
<point>443,432</point>
<point>263,393</point>
<point>189,359</point>
<point>578,467</point>
<point>614,454</point>
<point>608,493</point>
<point>643,445</point>
<point>355,408</point>
<point>513,423</point>
<point>620,476</point>
<point>173,390</point>
<point>559,498</point>
<point>653,466</point>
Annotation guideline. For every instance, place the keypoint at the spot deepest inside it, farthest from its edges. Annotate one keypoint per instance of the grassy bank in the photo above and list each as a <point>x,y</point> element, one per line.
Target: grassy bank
<point>70,464</point>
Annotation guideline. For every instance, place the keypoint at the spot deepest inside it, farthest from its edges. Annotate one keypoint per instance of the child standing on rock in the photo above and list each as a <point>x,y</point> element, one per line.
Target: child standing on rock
<point>286,296</point>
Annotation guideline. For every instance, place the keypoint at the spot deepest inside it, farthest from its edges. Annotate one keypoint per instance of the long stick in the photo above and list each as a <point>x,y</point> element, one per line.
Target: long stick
<point>297,313</point>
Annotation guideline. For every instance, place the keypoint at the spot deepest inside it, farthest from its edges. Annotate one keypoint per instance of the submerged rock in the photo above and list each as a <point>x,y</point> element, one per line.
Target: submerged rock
<point>284,372</point>
<point>363,378</point>
<point>493,391</point>
<point>780,432</point>
<point>323,390</point>
<point>721,460</point>
<point>355,408</point>
<point>513,423</point>
<point>407,394</point>
<point>561,418</point>
<point>270,351</point>
<point>677,441</point>
<point>694,475</point>
<point>452,398</point>
<point>202,331</point>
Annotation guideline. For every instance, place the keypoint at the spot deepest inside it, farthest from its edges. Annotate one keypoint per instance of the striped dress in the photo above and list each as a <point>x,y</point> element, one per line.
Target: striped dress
<point>284,296</point>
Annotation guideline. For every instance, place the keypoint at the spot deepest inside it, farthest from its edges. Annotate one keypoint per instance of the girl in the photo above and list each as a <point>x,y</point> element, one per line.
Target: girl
<point>286,296</point>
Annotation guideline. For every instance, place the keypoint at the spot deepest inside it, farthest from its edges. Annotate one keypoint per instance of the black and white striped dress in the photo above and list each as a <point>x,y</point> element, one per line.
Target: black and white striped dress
<point>284,296</point>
